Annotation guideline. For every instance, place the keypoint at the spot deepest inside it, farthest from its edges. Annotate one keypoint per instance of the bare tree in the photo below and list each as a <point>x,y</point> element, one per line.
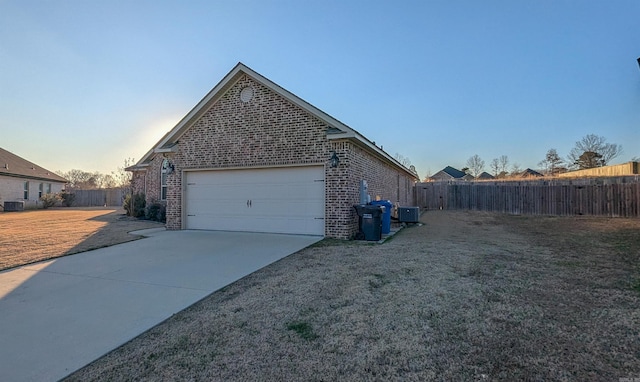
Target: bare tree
<point>552,163</point>
<point>476,165</point>
<point>122,177</point>
<point>107,181</point>
<point>85,180</point>
<point>516,170</point>
<point>602,152</point>
<point>403,160</point>
<point>495,166</point>
<point>427,175</point>
<point>504,164</point>
<point>81,180</point>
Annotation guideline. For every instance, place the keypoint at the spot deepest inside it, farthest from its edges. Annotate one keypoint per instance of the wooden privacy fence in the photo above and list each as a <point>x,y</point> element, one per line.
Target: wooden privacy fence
<point>615,197</point>
<point>111,197</point>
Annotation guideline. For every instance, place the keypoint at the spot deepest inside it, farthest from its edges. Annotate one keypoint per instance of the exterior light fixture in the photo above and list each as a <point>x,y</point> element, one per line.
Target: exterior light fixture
<point>638,61</point>
<point>335,161</point>
<point>167,167</point>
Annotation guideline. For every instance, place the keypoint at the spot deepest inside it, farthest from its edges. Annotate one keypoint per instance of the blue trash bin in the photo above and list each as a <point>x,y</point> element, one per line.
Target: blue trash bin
<point>386,216</point>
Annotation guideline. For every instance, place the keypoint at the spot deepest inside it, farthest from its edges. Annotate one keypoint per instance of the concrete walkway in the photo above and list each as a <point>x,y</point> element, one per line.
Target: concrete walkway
<point>57,316</point>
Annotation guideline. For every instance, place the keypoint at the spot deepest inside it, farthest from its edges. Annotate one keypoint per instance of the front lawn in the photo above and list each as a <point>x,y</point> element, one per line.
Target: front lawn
<point>36,235</point>
<point>467,296</point>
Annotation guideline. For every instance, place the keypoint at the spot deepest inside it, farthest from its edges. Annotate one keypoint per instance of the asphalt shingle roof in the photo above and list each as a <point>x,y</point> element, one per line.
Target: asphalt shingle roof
<point>13,165</point>
<point>454,172</point>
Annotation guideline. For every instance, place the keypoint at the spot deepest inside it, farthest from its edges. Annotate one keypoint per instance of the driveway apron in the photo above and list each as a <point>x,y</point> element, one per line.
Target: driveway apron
<point>59,315</point>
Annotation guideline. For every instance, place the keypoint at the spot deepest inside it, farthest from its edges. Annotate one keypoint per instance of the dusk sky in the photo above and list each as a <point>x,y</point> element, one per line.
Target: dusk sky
<point>85,84</point>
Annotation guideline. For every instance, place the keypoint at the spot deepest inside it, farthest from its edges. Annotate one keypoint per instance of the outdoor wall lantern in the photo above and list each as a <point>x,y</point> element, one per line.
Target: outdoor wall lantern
<point>167,167</point>
<point>335,161</point>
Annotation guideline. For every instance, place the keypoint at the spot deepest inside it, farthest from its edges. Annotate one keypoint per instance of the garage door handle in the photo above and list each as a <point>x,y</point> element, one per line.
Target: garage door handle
<point>249,203</point>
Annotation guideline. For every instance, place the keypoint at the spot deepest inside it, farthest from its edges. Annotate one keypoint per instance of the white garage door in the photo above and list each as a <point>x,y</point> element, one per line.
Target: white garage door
<point>276,200</point>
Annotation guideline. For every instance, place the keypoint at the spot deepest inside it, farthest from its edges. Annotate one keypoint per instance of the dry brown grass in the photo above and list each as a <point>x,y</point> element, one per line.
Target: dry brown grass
<point>37,235</point>
<point>467,296</point>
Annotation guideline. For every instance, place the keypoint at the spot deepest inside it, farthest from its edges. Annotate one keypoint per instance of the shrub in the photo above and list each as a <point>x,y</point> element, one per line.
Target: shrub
<point>157,212</point>
<point>50,200</point>
<point>137,207</point>
<point>304,329</point>
<point>67,198</point>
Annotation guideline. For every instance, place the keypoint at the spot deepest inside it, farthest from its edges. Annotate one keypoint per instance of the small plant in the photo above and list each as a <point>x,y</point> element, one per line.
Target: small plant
<point>636,286</point>
<point>67,198</point>
<point>304,329</point>
<point>157,212</point>
<point>135,206</point>
<point>378,281</point>
<point>50,200</point>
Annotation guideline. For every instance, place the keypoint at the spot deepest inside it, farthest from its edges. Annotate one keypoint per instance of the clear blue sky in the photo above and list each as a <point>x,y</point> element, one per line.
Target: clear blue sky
<point>86,84</point>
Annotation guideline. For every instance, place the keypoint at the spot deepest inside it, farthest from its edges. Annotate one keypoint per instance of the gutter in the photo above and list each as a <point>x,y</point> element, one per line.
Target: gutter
<point>13,175</point>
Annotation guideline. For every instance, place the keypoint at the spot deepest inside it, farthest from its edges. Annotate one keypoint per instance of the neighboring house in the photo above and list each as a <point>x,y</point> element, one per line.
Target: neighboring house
<point>529,173</point>
<point>21,180</point>
<point>251,156</point>
<point>485,176</point>
<point>450,173</point>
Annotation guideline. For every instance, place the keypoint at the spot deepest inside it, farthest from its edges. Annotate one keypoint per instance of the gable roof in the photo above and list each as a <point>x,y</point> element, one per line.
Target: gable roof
<point>455,173</point>
<point>530,172</point>
<point>452,172</point>
<point>15,166</point>
<point>337,129</point>
<point>485,175</point>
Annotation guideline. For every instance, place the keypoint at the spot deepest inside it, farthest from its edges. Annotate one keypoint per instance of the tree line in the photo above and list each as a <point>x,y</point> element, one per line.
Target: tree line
<point>589,152</point>
<point>86,180</point>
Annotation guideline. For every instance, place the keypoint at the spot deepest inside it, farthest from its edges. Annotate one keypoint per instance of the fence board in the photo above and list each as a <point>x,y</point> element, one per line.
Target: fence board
<point>110,197</point>
<point>612,196</point>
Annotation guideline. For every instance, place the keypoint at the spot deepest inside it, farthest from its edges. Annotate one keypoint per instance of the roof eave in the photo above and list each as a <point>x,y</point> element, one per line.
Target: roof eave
<point>353,135</point>
<point>34,177</point>
<point>137,167</point>
<point>220,89</point>
<point>162,150</point>
<point>168,142</point>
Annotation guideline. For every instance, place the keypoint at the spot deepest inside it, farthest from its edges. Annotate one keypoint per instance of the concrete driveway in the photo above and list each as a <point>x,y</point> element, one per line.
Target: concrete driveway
<point>57,316</point>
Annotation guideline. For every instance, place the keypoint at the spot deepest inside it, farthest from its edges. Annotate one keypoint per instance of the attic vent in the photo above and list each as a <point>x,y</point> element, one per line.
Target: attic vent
<point>246,94</point>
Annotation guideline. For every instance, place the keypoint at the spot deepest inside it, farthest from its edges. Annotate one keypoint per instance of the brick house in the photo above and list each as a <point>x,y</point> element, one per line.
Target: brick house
<point>251,156</point>
<point>24,181</point>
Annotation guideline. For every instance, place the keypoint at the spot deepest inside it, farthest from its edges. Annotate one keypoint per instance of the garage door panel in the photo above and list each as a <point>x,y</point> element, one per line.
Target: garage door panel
<point>283,200</point>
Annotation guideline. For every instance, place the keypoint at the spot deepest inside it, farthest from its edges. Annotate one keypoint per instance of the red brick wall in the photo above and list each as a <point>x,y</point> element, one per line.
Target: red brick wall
<point>148,181</point>
<point>271,131</point>
<point>266,131</point>
<point>138,181</point>
<point>358,164</point>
